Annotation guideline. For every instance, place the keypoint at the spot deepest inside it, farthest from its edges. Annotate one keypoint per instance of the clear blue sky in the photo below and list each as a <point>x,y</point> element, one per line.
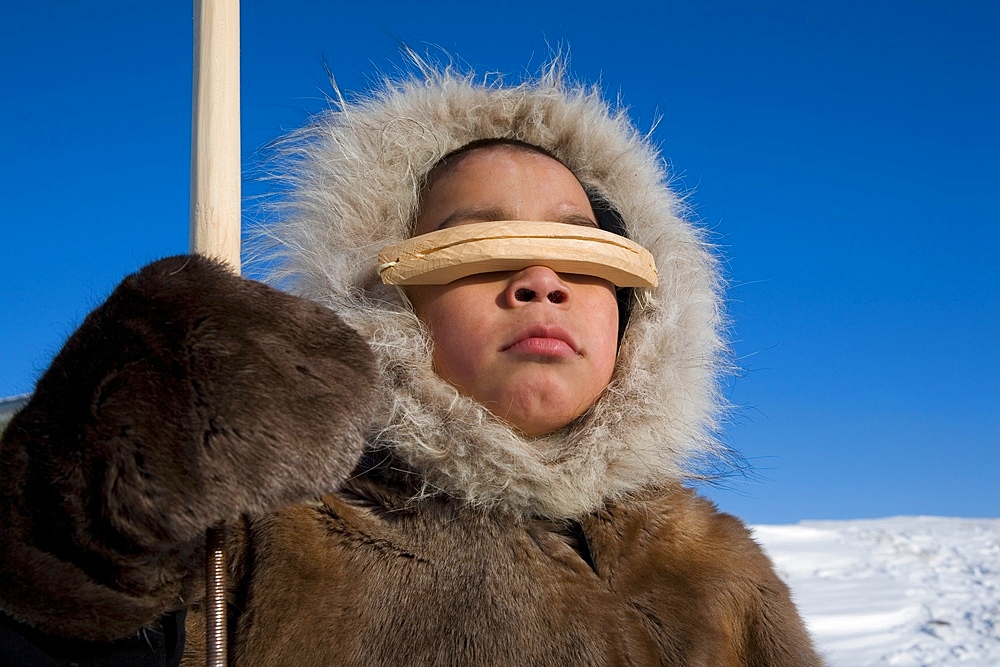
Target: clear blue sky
<point>844,155</point>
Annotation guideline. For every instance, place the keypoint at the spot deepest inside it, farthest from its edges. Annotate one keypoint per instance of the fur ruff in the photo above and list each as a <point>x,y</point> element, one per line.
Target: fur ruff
<point>353,178</point>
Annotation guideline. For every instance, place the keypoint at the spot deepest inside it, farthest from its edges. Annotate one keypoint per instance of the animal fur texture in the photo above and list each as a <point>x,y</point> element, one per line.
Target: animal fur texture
<point>367,578</point>
<point>355,175</point>
<point>180,403</point>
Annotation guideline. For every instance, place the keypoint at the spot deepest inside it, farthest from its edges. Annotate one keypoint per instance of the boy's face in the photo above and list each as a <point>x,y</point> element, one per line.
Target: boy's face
<point>535,347</point>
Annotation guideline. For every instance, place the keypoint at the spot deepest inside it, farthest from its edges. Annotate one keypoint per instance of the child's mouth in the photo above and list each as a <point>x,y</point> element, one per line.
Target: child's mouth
<point>542,347</point>
<point>543,341</point>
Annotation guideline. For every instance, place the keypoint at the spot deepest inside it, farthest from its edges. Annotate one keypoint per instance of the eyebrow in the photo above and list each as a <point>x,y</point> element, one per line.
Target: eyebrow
<point>493,214</point>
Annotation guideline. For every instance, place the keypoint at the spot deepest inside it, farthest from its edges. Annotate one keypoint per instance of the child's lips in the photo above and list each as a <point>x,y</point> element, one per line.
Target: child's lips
<point>543,341</point>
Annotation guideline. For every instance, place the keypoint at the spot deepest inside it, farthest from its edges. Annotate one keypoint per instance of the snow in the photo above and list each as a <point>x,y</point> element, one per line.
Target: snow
<point>909,591</point>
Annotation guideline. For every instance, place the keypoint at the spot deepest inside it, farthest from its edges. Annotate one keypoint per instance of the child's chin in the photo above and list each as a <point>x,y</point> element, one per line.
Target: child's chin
<point>538,399</point>
<point>542,421</point>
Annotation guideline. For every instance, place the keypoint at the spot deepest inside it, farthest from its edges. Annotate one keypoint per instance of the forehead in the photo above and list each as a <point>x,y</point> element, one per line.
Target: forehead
<point>480,148</point>
<point>501,182</point>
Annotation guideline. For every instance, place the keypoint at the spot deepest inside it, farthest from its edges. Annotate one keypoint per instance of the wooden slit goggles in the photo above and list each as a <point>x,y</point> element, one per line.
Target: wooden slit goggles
<point>439,257</point>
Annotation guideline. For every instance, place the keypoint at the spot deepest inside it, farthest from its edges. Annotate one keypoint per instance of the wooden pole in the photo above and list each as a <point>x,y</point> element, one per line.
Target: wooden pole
<point>215,132</point>
<point>215,217</point>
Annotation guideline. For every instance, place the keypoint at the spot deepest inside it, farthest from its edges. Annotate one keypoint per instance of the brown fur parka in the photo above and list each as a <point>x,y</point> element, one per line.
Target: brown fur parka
<point>378,517</point>
<point>366,578</point>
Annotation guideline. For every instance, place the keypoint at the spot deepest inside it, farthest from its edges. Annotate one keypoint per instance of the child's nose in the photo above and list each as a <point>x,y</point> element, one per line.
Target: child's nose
<point>537,283</point>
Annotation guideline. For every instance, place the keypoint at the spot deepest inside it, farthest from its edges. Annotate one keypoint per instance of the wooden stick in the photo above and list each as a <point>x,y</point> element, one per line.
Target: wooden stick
<point>215,132</point>
<point>215,217</point>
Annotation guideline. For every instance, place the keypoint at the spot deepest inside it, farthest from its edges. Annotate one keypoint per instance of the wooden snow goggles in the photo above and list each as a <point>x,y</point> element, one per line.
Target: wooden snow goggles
<point>439,257</point>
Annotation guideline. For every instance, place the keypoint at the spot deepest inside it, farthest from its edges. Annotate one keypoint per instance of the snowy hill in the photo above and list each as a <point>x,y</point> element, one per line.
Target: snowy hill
<point>909,591</point>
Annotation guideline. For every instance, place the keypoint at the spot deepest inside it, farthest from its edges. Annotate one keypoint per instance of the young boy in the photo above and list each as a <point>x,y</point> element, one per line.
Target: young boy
<point>505,488</point>
<point>534,346</point>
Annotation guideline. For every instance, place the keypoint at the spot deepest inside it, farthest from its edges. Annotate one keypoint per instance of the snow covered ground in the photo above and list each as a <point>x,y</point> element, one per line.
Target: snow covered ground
<point>910,591</point>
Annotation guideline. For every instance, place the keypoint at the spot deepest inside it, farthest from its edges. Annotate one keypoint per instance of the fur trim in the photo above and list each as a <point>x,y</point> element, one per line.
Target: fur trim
<point>354,175</point>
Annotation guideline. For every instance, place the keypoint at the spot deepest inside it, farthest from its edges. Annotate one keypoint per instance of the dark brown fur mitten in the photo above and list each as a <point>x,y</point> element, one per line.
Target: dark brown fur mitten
<point>189,397</point>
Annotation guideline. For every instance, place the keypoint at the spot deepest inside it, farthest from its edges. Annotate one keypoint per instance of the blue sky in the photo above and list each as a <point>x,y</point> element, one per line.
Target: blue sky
<point>843,155</point>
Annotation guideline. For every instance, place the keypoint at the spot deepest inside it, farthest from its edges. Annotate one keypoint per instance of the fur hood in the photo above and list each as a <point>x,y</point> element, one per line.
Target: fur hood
<point>351,181</point>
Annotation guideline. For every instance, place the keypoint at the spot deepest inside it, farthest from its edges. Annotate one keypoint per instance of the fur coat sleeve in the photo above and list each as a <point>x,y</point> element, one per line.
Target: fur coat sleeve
<point>189,397</point>
<point>707,592</point>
